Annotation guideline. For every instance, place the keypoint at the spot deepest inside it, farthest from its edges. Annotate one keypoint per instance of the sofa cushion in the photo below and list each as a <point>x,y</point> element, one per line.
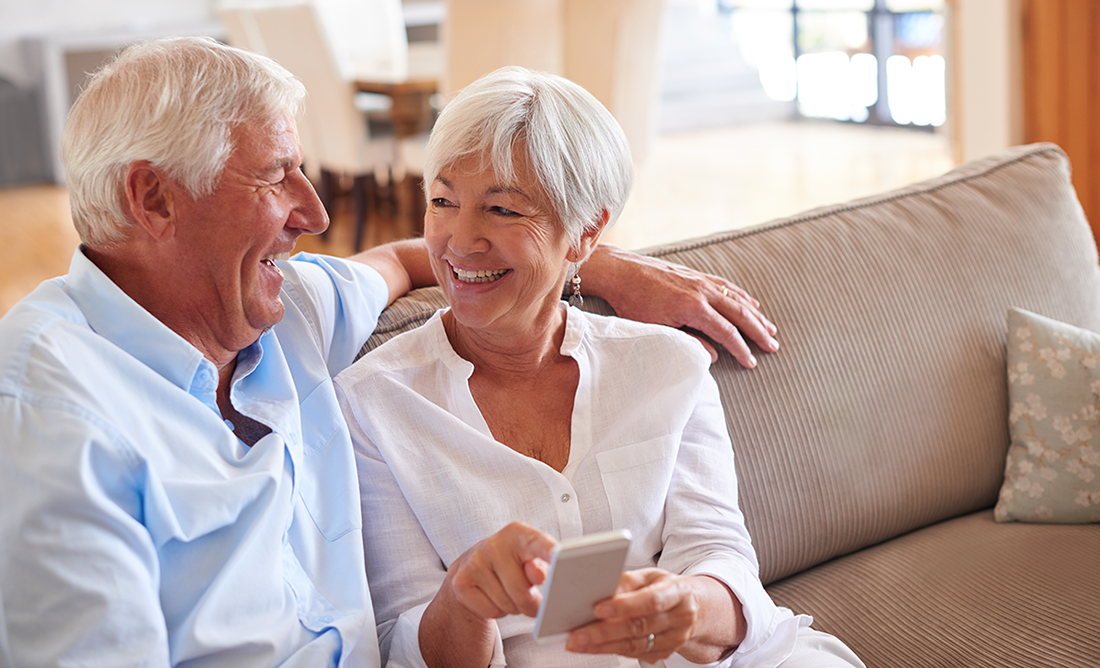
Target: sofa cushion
<point>886,408</point>
<point>965,592</point>
<point>1053,469</point>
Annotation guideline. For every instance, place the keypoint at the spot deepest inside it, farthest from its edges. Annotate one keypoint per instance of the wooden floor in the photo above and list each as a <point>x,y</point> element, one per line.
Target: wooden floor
<point>693,184</point>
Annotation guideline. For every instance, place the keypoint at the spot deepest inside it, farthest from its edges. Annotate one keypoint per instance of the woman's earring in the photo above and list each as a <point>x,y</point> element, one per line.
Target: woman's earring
<point>576,299</point>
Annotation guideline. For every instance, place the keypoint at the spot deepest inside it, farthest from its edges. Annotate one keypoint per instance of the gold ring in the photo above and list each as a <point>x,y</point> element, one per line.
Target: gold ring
<point>725,291</point>
<point>649,643</point>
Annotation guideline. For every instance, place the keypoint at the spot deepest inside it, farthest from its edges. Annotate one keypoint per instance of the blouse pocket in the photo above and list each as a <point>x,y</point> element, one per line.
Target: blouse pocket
<point>636,479</point>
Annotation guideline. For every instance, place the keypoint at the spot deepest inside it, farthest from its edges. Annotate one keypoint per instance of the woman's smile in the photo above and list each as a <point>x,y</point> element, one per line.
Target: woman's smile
<point>478,275</point>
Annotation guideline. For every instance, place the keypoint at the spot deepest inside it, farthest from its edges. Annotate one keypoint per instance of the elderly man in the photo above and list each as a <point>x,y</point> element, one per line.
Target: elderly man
<point>179,486</point>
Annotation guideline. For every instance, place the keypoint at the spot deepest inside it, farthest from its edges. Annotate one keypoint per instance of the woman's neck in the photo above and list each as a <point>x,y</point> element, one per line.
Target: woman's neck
<point>504,354</point>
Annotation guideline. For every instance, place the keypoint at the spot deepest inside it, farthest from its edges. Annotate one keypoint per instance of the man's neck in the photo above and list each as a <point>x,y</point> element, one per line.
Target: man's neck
<point>162,297</point>
<point>249,430</point>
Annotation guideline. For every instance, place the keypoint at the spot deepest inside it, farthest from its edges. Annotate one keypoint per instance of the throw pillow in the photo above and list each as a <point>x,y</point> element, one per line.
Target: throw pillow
<point>1053,470</point>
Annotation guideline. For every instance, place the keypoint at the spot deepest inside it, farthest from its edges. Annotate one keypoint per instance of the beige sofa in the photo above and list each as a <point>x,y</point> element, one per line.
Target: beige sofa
<point>872,448</point>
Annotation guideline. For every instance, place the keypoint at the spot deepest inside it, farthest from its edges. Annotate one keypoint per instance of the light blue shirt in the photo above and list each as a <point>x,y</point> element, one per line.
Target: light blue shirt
<point>135,529</point>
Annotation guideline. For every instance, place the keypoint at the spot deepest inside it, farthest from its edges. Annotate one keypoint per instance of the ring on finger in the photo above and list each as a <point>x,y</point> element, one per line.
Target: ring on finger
<point>649,643</point>
<point>725,291</point>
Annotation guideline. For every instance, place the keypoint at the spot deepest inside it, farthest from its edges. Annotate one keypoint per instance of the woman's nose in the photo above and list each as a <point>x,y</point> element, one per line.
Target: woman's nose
<point>466,234</point>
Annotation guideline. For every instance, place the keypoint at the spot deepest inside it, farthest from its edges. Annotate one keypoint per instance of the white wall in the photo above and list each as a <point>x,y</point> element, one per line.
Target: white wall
<point>987,89</point>
<point>20,19</point>
<point>986,47</point>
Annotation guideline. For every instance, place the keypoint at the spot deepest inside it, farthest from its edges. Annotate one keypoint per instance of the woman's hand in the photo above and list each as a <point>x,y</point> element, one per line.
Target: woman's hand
<point>656,613</point>
<point>498,576</point>
<point>651,290</point>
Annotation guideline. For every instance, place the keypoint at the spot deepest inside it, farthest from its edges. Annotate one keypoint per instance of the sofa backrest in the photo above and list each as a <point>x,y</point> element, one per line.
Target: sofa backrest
<point>886,408</point>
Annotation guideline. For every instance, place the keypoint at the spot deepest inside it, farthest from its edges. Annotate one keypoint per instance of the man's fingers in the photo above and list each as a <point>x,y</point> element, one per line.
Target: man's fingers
<point>730,320</point>
<point>719,330</point>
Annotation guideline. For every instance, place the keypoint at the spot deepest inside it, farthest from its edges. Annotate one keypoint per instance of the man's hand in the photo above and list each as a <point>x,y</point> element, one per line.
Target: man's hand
<point>651,290</point>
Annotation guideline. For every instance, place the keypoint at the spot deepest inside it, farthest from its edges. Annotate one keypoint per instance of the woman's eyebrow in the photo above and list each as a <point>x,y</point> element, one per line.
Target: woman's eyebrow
<point>507,190</point>
<point>499,189</point>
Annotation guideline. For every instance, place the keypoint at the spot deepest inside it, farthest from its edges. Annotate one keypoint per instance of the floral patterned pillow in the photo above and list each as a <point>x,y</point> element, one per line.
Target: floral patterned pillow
<point>1053,470</point>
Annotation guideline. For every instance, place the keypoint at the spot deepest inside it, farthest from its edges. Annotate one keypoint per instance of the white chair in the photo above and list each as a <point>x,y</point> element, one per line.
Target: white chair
<point>480,36</point>
<point>335,131</point>
<point>611,47</point>
<point>368,38</point>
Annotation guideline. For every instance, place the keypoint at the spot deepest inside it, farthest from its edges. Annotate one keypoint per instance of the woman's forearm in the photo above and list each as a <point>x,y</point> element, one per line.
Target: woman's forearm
<point>451,636</point>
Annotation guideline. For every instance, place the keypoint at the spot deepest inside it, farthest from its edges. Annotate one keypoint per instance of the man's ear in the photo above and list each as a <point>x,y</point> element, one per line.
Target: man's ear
<point>589,238</point>
<point>150,200</point>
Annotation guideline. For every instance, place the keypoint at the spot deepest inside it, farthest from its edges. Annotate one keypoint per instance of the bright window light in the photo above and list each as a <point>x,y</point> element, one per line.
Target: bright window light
<point>837,73</point>
<point>779,76</point>
<point>832,85</point>
<point>916,90</point>
<point>864,77</point>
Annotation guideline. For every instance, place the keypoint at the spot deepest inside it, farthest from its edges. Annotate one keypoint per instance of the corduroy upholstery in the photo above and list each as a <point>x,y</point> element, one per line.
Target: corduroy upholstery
<point>871,447</point>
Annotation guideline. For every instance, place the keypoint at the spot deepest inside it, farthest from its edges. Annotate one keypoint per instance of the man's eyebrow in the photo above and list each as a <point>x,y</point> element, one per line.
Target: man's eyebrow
<point>279,164</point>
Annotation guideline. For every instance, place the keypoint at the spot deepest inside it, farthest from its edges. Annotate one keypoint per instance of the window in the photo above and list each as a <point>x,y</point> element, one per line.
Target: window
<point>865,61</point>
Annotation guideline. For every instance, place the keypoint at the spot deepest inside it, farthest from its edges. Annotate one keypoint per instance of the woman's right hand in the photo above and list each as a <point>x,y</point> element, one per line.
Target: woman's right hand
<point>501,575</point>
<point>498,576</point>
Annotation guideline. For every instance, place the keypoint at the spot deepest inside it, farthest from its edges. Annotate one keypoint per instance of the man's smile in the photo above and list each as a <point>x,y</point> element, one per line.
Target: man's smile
<point>269,260</point>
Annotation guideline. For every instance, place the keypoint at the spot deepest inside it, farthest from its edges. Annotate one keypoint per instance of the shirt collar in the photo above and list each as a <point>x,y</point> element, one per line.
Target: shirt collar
<point>112,314</point>
<point>575,328</point>
<point>437,335</point>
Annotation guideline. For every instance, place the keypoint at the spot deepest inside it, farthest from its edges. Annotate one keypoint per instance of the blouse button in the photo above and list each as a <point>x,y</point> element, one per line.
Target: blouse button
<point>565,498</point>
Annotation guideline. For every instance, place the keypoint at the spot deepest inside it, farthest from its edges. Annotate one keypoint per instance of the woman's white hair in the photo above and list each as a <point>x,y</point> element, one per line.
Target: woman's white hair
<point>173,102</point>
<point>572,142</point>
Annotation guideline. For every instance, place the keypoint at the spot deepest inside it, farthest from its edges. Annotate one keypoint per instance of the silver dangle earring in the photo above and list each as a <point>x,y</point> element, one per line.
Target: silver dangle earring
<point>576,299</point>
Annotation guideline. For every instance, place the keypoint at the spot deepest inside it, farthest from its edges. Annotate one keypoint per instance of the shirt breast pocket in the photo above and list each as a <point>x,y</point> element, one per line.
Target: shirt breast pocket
<point>636,478</point>
<point>326,483</point>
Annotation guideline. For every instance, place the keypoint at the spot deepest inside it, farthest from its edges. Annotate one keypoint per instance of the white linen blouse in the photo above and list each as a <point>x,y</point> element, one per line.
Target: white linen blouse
<point>649,453</point>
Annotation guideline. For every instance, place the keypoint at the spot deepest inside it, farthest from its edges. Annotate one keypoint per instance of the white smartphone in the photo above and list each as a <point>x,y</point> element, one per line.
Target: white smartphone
<point>583,572</point>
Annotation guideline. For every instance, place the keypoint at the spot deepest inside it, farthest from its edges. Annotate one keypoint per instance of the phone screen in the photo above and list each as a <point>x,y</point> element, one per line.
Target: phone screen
<point>583,572</point>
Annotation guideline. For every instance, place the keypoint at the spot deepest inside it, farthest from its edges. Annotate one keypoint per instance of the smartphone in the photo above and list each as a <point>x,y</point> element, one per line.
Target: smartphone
<point>583,572</point>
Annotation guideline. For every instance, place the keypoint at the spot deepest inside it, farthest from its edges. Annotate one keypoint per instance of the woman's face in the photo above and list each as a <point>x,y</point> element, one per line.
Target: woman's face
<point>498,252</point>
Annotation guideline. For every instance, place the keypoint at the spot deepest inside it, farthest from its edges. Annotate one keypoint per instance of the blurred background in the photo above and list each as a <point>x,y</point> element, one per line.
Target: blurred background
<point>738,111</point>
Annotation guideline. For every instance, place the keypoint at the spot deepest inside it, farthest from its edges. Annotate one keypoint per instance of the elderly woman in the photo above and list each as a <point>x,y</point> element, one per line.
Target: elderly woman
<point>511,420</point>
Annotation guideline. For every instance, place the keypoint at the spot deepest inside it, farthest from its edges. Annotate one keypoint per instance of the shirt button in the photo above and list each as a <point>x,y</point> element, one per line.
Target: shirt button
<point>565,498</point>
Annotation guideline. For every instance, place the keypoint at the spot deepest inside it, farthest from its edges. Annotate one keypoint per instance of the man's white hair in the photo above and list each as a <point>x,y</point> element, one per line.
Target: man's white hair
<point>174,103</point>
<point>574,145</point>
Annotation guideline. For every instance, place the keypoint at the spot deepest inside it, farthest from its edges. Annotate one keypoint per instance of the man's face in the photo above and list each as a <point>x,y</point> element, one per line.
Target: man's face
<point>228,241</point>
